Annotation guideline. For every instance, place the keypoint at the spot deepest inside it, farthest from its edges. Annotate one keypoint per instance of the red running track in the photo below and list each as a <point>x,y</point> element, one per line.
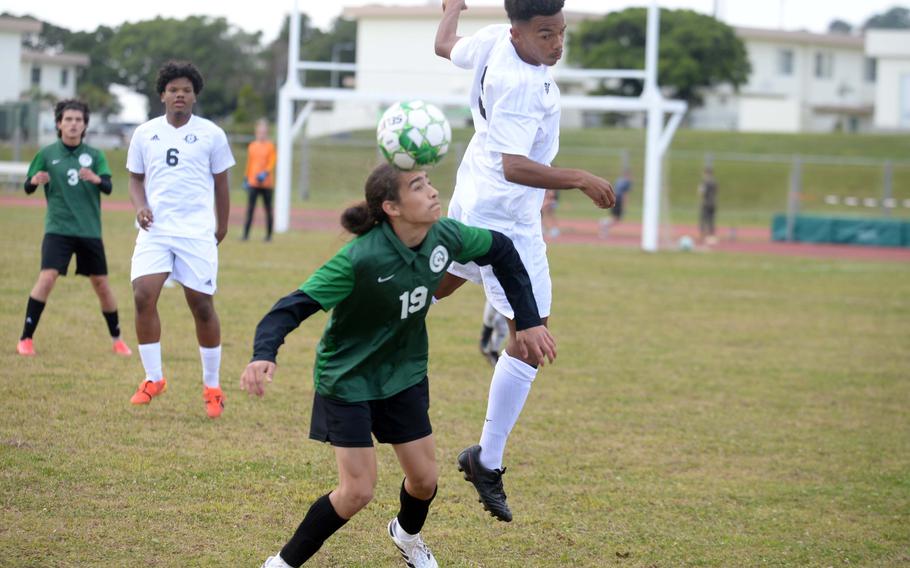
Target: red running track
<point>748,240</point>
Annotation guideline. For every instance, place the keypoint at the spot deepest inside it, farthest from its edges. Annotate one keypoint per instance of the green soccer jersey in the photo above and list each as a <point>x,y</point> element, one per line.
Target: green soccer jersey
<point>73,205</point>
<point>375,343</point>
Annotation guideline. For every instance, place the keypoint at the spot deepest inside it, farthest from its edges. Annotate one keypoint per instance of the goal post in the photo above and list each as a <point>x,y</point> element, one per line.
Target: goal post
<point>660,130</point>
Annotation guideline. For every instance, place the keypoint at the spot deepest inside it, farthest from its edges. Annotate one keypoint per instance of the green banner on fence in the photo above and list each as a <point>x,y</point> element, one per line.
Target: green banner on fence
<point>843,230</point>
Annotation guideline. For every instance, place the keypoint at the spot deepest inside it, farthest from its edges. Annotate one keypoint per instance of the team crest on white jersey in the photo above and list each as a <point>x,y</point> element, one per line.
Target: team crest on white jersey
<point>439,258</point>
<point>190,138</point>
<point>85,160</point>
<point>546,87</point>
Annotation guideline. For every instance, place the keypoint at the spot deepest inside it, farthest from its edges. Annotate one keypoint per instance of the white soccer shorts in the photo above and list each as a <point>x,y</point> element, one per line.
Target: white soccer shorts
<point>528,241</point>
<point>192,262</point>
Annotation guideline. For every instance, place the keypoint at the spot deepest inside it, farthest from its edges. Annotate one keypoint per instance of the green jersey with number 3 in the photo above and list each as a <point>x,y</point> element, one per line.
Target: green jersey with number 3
<point>73,205</point>
<point>375,343</point>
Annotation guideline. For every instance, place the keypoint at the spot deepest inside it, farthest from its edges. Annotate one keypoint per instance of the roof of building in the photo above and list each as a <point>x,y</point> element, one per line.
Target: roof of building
<point>801,37</point>
<point>19,25</point>
<point>57,58</point>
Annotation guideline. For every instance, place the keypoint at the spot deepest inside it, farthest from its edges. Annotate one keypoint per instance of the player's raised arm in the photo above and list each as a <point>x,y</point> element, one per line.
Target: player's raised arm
<point>447,32</point>
<point>524,171</point>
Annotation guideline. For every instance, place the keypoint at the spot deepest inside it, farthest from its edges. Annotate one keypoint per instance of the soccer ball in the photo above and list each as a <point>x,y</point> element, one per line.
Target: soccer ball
<point>413,135</point>
<point>686,243</point>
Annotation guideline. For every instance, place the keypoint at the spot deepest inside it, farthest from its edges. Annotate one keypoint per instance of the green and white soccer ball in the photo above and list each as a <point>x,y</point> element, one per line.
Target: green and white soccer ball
<point>413,135</point>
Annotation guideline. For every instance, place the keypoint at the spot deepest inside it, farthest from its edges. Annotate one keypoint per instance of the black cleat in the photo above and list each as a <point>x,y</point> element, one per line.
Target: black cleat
<point>487,482</point>
<point>490,355</point>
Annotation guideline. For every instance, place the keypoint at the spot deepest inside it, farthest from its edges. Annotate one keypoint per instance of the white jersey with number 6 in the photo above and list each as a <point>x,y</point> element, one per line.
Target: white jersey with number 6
<point>179,165</point>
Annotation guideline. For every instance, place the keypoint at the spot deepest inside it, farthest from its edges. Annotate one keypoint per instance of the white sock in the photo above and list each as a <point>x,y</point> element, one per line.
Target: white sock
<point>277,562</point>
<point>211,365</point>
<point>400,533</point>
<point>150,353</point>
<point>509,390</point>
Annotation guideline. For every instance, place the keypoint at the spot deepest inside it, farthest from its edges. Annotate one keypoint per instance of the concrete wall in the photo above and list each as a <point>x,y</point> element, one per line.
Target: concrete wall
<point>892,97</point>
<point>10,55</point>
<point>769,115</point>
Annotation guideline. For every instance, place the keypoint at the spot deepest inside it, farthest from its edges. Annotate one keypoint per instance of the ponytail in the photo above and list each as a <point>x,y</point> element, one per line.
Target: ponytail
<point>381,186</point>
<point>357,219</point>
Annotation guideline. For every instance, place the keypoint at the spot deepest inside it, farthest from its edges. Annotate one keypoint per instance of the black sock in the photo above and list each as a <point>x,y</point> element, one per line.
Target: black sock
<point>32,315</point>
<point>485,334</point>
<point>320,523</point>
<point>413,513</point>
<point>113,323</point>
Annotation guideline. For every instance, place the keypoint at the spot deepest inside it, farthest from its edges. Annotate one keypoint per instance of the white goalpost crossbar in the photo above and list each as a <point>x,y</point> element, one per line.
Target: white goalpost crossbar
<point>651,101</point>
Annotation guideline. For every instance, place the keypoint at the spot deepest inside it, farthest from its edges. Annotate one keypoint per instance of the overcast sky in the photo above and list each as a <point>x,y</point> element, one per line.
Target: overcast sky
<point>266,15</point>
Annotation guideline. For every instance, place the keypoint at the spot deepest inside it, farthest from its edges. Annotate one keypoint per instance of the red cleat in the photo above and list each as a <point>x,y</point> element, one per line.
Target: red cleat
<point>214,401</point>
<point>121,348</point>
<point>148,390</point>
<point>26,347</point>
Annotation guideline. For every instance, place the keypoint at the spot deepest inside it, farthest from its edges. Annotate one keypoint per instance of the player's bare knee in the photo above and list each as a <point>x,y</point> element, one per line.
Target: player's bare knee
<point>423,485</point>
<point>144,299</point>
<point>203,311</point>
<point>355,496</point>
<point>99,283</point>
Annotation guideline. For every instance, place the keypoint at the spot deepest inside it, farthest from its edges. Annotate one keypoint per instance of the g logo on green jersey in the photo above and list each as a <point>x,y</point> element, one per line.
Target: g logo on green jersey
<point>439,258</point>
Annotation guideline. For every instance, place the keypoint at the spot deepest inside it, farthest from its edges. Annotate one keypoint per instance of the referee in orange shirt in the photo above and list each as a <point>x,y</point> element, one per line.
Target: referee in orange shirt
<point>260,177</point>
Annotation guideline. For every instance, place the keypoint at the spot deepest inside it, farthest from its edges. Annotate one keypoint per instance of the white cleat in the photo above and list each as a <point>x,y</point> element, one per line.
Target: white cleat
<point>415,552</point>
<point>275,562</point>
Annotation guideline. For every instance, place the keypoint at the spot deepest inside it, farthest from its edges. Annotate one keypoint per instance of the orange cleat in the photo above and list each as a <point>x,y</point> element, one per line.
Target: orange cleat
<point>148,390</point>
<point>121,348</point>
<point>26,347</point>
<point>214,401</point>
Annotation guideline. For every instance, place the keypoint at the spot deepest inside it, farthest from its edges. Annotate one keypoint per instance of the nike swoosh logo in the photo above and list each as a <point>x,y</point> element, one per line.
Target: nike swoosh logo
<point>55,162</point>
<point>386,279</point>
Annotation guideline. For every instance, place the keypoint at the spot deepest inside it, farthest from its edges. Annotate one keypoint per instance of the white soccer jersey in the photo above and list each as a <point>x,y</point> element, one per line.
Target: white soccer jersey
<point>178,164</point>
<point>516,110</point>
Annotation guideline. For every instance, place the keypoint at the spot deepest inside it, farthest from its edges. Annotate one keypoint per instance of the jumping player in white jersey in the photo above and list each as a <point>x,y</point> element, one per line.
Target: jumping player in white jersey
<point>178,167</point>
<point>500,185</point>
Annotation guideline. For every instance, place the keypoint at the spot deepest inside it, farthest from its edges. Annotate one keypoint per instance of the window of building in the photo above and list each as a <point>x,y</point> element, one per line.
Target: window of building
<point>36,75</point>
<point>64,77</point>
<point>870,72</point>
<point>824,65</point>
<point>785,62</point>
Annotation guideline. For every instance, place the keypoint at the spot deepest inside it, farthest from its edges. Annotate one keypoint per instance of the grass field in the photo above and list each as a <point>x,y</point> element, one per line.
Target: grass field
<point>705,410</point>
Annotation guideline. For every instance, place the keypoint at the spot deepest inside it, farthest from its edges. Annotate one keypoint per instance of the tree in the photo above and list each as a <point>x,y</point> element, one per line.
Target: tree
<point>896,18</point>
<point>840,27</point>
<point>250,106</point>
<point>100,101</point>
<point>226,57</point>
<point>696,51</point>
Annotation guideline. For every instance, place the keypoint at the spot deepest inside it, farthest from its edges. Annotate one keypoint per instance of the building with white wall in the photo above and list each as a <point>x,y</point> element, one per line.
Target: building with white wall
<point>11,32</point>
<point>891,50</point>
<point>800,82</point>
<point>27,72</point>
<point>51,73</point>
<point>23,69</point>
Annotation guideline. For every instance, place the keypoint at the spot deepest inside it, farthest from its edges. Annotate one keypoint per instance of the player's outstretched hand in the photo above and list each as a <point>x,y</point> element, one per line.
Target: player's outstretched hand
<point>455,4</point>
<point>145,218</point>
<point>256,375</point>
<point>40,178</point>
<point>536,344</point>
<point>599,190</point>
